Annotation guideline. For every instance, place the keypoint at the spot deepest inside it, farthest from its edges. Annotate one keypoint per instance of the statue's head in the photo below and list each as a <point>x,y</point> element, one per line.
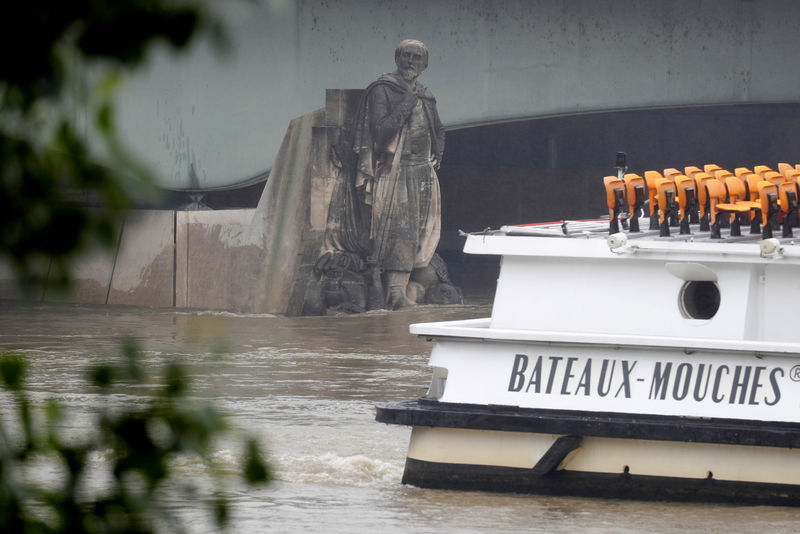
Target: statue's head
<point>411,57</point>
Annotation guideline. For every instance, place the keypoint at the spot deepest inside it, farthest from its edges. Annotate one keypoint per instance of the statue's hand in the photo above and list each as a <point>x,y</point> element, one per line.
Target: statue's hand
<point>435,162</point>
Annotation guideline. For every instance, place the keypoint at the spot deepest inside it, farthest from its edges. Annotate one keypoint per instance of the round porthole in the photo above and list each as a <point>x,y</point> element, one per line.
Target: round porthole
<point>699,299</point>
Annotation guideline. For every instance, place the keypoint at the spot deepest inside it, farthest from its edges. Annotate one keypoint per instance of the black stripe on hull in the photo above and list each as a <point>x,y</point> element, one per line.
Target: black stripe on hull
<point>436,475</point>
<point>614,425</point>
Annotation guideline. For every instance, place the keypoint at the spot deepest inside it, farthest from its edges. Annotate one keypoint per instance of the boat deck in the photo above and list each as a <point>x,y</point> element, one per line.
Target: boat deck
<point>599,229</point>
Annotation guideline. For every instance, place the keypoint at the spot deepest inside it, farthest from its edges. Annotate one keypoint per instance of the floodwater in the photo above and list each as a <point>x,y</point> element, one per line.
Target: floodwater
<point>306,387</point>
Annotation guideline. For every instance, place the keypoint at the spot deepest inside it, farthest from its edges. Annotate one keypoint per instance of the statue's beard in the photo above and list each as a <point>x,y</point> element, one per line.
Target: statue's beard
<point>409,74</point>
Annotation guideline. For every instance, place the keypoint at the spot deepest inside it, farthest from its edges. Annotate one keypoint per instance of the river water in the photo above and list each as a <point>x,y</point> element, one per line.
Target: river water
<point>306,387</point>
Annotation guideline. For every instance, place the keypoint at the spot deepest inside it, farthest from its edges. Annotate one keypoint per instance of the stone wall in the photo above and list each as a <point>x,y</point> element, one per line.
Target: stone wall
<point>252,260</point>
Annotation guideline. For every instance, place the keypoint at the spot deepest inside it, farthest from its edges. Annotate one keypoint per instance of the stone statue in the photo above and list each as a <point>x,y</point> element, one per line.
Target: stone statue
<point>399,141</point>
<point>387,212</point>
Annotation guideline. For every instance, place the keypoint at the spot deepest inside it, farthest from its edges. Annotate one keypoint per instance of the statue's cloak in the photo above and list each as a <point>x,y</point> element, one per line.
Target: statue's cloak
<point>382,111</point>
<point>368,143</point>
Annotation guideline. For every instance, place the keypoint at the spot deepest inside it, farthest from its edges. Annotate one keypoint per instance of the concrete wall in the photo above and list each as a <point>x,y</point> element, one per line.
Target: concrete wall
<point>143,272</point>
<point>221,118</point>
<point>253,260</point>
<point>209,245</point>
<point>139,271</point>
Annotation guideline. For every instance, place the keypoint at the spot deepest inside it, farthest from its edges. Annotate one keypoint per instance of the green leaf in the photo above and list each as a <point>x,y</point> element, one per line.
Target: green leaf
<point>256,469</point>
<point>12,370</point>
<point>102,375</point>
<point>221,512</point>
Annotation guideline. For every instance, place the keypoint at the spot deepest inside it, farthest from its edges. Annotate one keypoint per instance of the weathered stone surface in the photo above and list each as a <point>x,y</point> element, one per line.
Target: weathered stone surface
<point>92,279</point>
<point>144,267</point>
<point>283,215</point>
<point>215,256</point>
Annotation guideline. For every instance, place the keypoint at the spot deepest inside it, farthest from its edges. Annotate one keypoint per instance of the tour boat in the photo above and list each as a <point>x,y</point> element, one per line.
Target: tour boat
<point>643,358</point>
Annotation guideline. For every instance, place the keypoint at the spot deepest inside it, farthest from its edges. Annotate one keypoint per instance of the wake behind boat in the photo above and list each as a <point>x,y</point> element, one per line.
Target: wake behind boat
<point>661,363</point>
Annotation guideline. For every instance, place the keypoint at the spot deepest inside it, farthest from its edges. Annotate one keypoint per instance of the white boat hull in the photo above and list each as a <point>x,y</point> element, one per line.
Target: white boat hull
<point>633,367</point>
<point>579,417</point>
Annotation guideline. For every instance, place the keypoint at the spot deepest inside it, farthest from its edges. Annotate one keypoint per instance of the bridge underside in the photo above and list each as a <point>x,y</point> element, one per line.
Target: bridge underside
<point>552,168</point>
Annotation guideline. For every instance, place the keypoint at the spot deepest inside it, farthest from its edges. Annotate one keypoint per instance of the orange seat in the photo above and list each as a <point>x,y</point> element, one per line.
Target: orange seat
<point>671,173</point>
<point>792,175</point>
<point>785,190</point>
<point>691,171</point>
<point>687,201</point>
<point>721,174</point>
<point>739,171</point>
<point>751,184</point>
<point>783,167</point>
<point>787,200</point>
<point>770,209</point>
<point>737,194</point>
<point>652,175</point>
<point>666,204</point>
<point>729,207</point>
<point>738,197</point>
<point>751,188</point>
<point>650,178</point>
<point>615,199</point>
<point>717,193</point>
<point>773,177</point>
<point>635,188</point>
<point>761,169</point>
<point>711,167</point>
<point>702,199</point>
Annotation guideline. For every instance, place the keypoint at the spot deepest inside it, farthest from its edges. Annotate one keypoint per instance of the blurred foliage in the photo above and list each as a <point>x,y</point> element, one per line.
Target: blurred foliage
<point>60,63</point>
<point>140,442</point>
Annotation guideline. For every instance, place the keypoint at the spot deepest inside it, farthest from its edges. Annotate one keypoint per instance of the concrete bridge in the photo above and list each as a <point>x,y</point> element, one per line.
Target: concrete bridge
<point>537,96</point>
<point>220,118</point>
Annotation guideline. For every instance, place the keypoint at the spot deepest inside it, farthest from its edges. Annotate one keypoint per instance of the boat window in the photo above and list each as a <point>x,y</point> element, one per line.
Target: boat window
<point>699,299</point>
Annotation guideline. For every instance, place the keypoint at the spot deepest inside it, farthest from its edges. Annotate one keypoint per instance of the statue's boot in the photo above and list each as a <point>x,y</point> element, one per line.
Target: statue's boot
<point>397,281</point>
